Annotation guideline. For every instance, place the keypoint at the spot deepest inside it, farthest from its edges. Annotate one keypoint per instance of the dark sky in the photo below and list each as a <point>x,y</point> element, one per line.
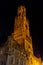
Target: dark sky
<point>35,14</point>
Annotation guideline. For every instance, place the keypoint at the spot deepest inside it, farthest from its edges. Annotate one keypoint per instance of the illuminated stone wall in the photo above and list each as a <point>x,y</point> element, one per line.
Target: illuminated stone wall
<point>19,48</point>
<point>22,37</point>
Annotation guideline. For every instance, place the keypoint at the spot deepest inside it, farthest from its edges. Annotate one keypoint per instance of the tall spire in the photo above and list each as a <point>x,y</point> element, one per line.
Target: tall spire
<point>21,26</point>
<point>21,29</point>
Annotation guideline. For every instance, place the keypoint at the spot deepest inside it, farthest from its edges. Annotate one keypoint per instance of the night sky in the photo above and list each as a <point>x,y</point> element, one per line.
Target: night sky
<point>8,11</point>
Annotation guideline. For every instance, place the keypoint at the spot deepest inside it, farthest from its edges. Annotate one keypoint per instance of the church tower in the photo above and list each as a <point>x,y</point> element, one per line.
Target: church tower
<point>21,30</point>
<point>22,35</point>
<point>20,43</point>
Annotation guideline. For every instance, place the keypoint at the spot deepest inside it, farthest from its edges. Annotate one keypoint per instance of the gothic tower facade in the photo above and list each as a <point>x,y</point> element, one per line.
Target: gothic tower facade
<point>21,30</point>
<point>18,48</point>
<point>22,35</point>
<point>21,39</point>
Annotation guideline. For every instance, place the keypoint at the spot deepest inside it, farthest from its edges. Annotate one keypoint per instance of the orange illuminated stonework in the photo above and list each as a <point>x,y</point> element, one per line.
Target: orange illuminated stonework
<point>18,47</point>
<point>21,29</point>
<point>22,35</point>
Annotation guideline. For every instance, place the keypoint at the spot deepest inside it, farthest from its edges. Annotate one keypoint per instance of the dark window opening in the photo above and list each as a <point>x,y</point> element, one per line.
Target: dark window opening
<point>29,47</point>
<point>19,14</point>
<point>26,26</point>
